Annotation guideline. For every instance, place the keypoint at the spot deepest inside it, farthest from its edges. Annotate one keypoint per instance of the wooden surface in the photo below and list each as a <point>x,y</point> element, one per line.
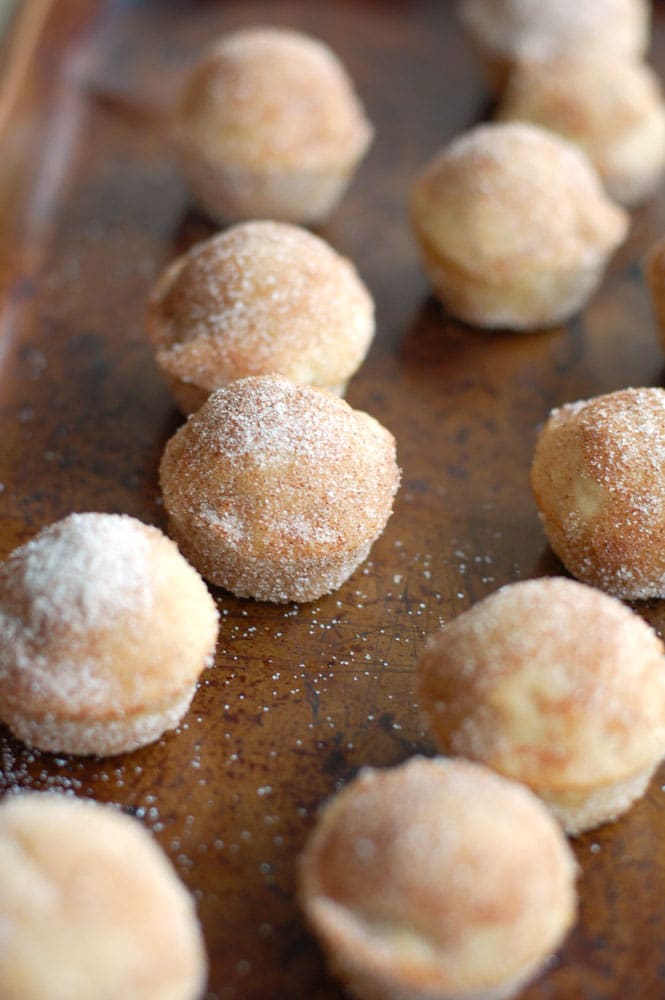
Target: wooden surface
<point>91,209</point>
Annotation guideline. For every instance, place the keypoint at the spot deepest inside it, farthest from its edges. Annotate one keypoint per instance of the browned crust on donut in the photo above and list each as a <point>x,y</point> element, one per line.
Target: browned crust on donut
<point>597,480</point>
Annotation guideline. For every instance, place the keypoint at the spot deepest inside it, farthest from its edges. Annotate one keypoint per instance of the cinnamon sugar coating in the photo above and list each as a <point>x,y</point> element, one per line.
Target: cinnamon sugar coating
<point>514,227</point>
<point>507,32</point>
<point>554,684</point>
<point>437,880</point>
<point>612,108</point>
<point>104,630</point>
<point>598,483</point>
<point>269,126</point>
<point>277,491</point>
<point>262,297</point>
<point>90,907</point>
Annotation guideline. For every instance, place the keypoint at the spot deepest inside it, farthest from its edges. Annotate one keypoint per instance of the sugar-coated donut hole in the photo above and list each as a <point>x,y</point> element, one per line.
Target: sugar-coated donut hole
<point>513,226</point>
<point>277,491</point>
<point>91,907</point>
<point>611,107</point>
<point>596,478</point>
<point>436,879</point>
<point>269,126</point>
<point>260,298</point>
<point>104,631</point>
<point>553,683</point>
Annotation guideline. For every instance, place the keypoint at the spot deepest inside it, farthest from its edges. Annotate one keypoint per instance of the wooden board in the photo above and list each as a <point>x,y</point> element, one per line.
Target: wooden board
<point>91,210</point>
